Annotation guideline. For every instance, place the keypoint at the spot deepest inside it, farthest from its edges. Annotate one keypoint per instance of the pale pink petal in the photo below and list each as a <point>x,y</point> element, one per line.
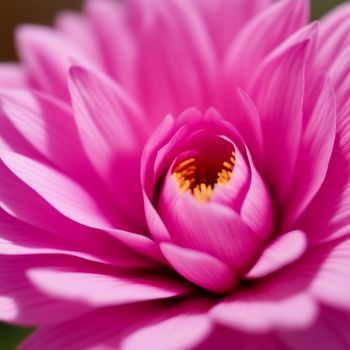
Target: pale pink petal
<point>284,250</point>
<point>233,16</point>
<point>334,36</point>
<point>119,60</point>
<point>65,195</point>
<point>76,27</point>
<point>117,328</point>
<point>330,331</point>
<point>99,289</point>
<point>327,268</point>
<point>275,303</point>
<point>157,66</point>
<point>49,126</point>
<point>19,238</point>
<point>315,149</point>
<point>47,55</point>
<point>180,328</point>
<point>113,139</point>
<point>282,133</point>
<point>260,36</point>
<point>200,268</point>
<point>22,303</point>
<point>12,75</point>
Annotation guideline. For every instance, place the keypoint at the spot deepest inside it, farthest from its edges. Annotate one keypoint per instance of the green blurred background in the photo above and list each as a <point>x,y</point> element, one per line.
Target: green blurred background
<point>42,11</point>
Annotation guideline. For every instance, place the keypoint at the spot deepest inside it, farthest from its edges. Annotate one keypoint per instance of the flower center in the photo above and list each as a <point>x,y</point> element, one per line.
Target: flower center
<point>200,176</point>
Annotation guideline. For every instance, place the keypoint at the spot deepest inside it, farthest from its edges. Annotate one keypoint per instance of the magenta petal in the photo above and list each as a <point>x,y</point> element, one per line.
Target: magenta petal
<point>315,149</point>
<point>99,289</point>
<point>284,250</point>
<point>122,327</point>
<point>113,140</point>
<point>190,320</point>
<point>47,55</point>
<point>330,331</point>
<point>274,304</point>
<point>282,134</point>
<point>200,268</point>
<point>12,76</point>
<point>260,36</point>
<point>49,126</point>
<point>67,196</point>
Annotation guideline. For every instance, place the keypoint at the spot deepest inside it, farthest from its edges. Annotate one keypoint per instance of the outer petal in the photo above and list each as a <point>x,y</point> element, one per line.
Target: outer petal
<point>60,191</point>
<point>233,16</point>
<point>19,238</point>
<point>113,139</point>
<point>48,125</point>
<point>330,331</point>
<point>315,149</point>
<point>272,304</point>
<point>284,250</point>
<point>98,288</point>
<point>285,99</point>
<point>260,36</point>
<point>48,68</point>
<point>122,327</point>
<point>22,303</point>
<point>12,76</point>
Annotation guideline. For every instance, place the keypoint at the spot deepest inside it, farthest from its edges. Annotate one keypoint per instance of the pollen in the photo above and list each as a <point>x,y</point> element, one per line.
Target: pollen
<point>194,175</point>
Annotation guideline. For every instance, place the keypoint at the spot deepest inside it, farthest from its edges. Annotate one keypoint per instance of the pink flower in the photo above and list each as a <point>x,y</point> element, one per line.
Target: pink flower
<point>176,175</point>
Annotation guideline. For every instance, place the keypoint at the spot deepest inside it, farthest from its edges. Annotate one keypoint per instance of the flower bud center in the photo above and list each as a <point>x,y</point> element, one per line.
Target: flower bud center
<point>200,176</point>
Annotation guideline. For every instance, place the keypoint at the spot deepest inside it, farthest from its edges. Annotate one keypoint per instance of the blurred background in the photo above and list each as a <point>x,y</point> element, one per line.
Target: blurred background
<point>15,12</point>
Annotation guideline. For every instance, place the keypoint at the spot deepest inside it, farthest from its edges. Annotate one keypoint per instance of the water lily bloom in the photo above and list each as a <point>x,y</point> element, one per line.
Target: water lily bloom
<point>176,175</point>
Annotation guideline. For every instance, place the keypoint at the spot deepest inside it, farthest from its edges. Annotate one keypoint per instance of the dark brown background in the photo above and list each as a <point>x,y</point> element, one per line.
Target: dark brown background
<point>13,12</point>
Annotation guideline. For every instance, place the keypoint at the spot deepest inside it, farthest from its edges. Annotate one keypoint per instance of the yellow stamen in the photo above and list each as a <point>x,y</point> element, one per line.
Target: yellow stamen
<point>188,179</point>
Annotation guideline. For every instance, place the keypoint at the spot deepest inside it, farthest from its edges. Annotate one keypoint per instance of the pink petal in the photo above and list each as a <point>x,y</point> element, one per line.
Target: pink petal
<point>330,331</point>
<point>334,36</point>
<point>281,133</point>
<point>158,66</point>
<point>106,17</point>
<point>22,303</point>
<point>208,227</point>
<point>284,250</point>
<point>48,125</point>
<point>260,36</point>
<point>65,195</point>
<point>200,268</point>
<point>315,149</point>
<point>113,139</point>
<point>328,270</point>
<point>233,16</point>
<point>272,304</point>
<point>181,328</point>
<point>19,238</point>
<point>118,327</point>
<point>12,76</point>
<point>47,54</point>
<point>99,289</point>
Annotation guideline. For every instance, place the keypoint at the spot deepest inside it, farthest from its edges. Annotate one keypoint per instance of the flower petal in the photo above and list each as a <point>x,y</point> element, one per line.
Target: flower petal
<point>284,250</point>
<point>98,289</point>
<point>260,36</point>
<point>272,304</point>
<point>200,268</point>
<point>113,139</point>
<point>120,328</point>
<point>281,132</point>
